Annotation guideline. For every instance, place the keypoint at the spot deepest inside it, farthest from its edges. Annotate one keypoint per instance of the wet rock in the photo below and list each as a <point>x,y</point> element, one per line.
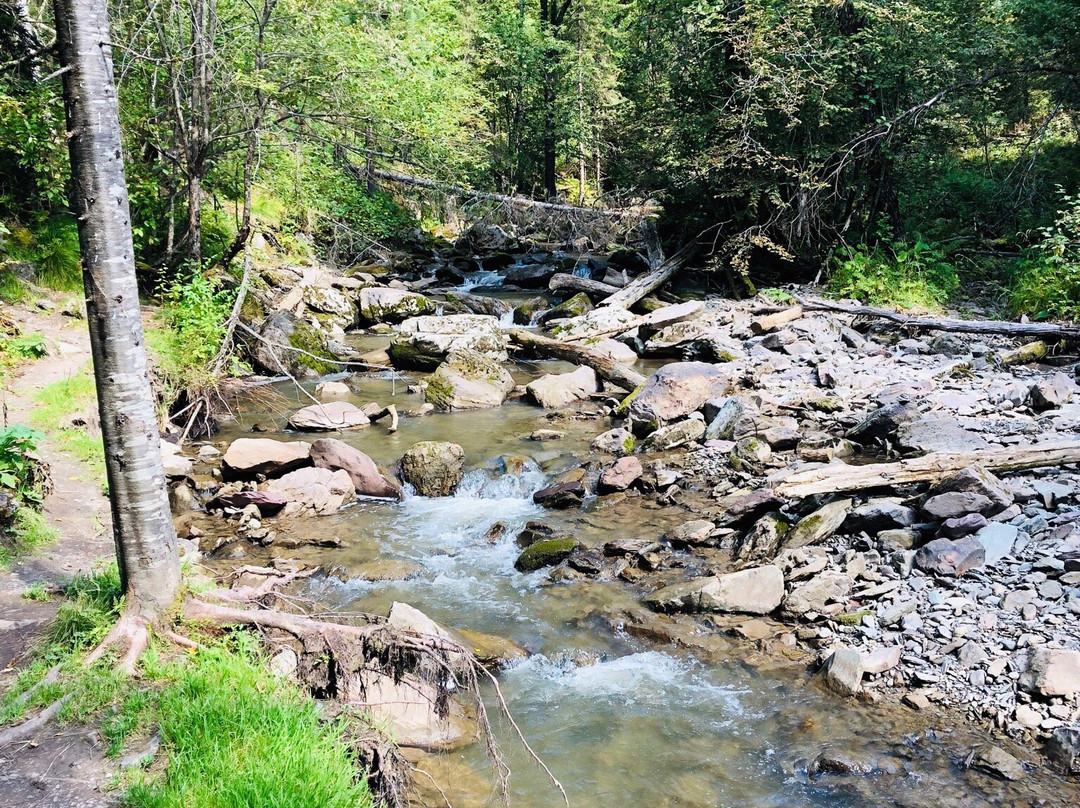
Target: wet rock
<point>674,435</point>
<point>615,442</point>
<point>947,557</point>
<point>531,276</point>
<point>878,515</point>
<point>332,391</point>
<point>1049,671</point>
<point>312,491</point>
<point>936,434</point>
<point>620,476</point>
<point>493,652</point>
<point>758,590</point>
<point>467,380</point>
<point>843,672</point>
<point>997,541</point>
<point>545,435</point>
<point>384,305</point>
<point>575,306</point>
<point>819,525</point>
<point>587,562</point>
<point>695,533</point>
<point>329,417</point>
<point>818,592</point>
<point>181,500</point>
<point>247,458</point>
<point>955,503</point>
<point>546,553</point>
<point>996,761</point>
<point>1063,748</point>
<point>562,495</point>
<point>407,706</point>
<point>557,390</point>
<point>292,347</point>
<point>267,502</point>
<point>963,525</point>
<point>534,532</point>
<point>527,312</point>
<point>433,468</point>
<point>844,763</point>
<point>675,391</point>
<point>1048,394</point>
<point>329,453</point>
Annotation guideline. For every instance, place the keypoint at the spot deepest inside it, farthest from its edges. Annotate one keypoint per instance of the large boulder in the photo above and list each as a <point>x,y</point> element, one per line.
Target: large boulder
<point>383,305</point>
<point>675,391</point>
<point>575,306</point>
<point>530,276</point>
<point>482,237</point>
<point>560,389</point>
<point>975,480</point>
<point>289,346</point>
<point>433,468</point>
<point>937,434</point>
<point>369,481</point>
<point>545,553</point>
<point>312,491</point>
<point>468,380</point>
<point>332,302</point>
<point>843,671</point>
<point>1049,672</point>
<point>329,417</point>
<point>422,343</point>
<point>248,457</point>
<point>758,590</point>
<point>408,706</point>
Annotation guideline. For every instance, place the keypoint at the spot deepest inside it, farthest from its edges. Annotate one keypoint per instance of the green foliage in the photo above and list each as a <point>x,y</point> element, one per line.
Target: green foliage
<point>193,314</point>
<point>28,532</point>
<point>25,346</point>
<point>911,276</point>
<point>17,465</point>
<point>37,593</point>
<point>1047,282</point>
<point>33,152</point>
<point>52,246</point>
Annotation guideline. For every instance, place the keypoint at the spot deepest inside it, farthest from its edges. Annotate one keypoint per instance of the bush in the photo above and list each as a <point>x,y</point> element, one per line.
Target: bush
<point>52,246</point>
<point>19,470</point>
<point>193,314</point>
<point>908,276</point>
<point>1047,283</point>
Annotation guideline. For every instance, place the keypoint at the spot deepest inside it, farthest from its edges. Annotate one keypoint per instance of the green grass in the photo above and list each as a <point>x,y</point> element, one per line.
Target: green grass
<point>52,246</point>
<point>12,289</point>
<point>56,404</point>
<point>37,593</point>
<point>29,533</point>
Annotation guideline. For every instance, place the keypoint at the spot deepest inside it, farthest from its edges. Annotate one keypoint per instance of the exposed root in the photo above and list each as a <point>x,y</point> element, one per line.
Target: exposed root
<point>52,676</point>
<point>132,634</point>
<point>182,641</point>
<point>29,728</point>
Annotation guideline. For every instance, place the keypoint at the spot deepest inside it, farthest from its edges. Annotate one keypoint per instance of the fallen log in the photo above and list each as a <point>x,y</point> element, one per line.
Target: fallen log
<point>594,289</point>
<point>835,478</point>
<point>649,282</point>
<point>1048,330</point>
<point>606,368</point>
<point>768,322</point>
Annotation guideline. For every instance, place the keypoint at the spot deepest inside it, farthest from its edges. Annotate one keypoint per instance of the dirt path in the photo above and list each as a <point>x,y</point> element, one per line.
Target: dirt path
<point>67,765</point>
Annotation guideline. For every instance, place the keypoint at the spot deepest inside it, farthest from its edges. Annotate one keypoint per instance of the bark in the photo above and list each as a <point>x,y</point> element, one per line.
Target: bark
<point>768,322</point>
<point>142,524</point>
<point>607,369</point>
<point>837,477</point>
<point>1049,330</point>
<point>17,36</point>
<point>648,283</point>
<point>594,289</point>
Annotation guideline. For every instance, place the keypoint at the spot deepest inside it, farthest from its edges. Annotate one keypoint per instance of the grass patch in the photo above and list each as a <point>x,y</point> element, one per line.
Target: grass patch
<point>29,532</point>
<point>12,289</point>
<point>234,736</point>
<point>52,246</point>
<point>37,593</point>
<point>57,405</point>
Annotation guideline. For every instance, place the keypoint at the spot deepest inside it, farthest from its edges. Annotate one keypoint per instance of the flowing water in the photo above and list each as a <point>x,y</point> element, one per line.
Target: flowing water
<point>621,723</point>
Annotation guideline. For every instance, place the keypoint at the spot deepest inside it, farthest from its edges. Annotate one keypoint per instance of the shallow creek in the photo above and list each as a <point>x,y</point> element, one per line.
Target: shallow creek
<point>620,723</point>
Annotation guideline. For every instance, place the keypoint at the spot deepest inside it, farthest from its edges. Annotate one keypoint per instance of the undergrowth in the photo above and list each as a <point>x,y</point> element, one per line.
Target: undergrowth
<point>52,246</point>
<point>1046,284</point>
<point>911,276</point>
<point>66,411</point>
<point>232,735</point>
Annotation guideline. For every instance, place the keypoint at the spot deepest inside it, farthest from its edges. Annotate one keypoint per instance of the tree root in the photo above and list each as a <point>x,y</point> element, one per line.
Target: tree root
<point>27,729</point>
<point>132,634</point>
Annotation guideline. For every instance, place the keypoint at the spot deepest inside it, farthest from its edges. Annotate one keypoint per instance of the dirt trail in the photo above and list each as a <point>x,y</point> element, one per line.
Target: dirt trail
<point>67,766</point>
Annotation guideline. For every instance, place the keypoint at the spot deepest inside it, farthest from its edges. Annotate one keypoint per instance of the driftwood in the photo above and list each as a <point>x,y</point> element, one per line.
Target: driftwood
<point>606,368</point>
<point>1047,330</point>
<point>594,289</point>
<point>768,322</point>
<point>836,478</point>
<point>648,283</point>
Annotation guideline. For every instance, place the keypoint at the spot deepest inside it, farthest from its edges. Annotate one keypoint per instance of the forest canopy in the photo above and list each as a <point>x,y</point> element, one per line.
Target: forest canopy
<point>792,138</point>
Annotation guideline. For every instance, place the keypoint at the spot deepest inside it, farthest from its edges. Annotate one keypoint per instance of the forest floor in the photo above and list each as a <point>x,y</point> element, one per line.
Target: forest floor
<point>67,766</point>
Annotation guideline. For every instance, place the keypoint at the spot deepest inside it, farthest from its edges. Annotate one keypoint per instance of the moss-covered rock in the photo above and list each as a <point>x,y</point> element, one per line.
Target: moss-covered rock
<point>288,345</point>
<point>468,380</point>
<point>529,310</point>
<point>576,306</point>
<point>545,553</point>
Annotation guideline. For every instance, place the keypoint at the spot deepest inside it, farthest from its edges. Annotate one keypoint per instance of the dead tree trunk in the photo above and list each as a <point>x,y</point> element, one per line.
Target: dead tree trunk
<point>142,524</point>
<point>606,368</point>
<point>647,283</point>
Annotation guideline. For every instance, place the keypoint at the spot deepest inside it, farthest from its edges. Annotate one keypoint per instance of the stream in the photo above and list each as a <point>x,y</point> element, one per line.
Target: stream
<point>621,722</point>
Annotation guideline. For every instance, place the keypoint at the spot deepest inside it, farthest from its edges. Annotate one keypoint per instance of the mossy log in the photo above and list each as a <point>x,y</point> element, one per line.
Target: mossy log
<point>837,477</point>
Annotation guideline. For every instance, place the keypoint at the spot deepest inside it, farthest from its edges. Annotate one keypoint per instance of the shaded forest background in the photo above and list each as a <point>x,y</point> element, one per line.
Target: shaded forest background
<point>901,151</point>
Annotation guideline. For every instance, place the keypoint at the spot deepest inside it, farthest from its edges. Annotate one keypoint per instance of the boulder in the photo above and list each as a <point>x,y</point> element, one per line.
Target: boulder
<point>764,539</point>
<point>881,659</point>
<point>468,380</point>
<point>332,391</point>
<point>383,305</point>
<point>963,525</point>
<point>614,350</point>
<point>333,302</point>
<point>526,313</point>
<point>878,515</point>
<point>816,593</point>
<point>409,708</point>
<point>312,491</point>
<point>575,306</point>
<point>948,557</point>
<point>1049,394</point>
<point>433,468</point>
<point>268,503</point>
<point>247,458</point>
<point>1049,672</point>
<point>174,464</point>
<point>675,391</point>
<point>615,441</point>
<point>723,416</point>
<point>545,553</point>
<point>819,525</point>
<point>758,590</point>
<point>290,346</point>
<point>620,476</point>
<point>694,533</point>
<point>562,495</point>
<point>672,436</point>
<point>557,390</point>
<point>530,276</point>
<point>938,434</point>
<point>482,237</point>
<point>997,540</point>
<point>602,321</point>
<point>975,480</point>
<point>843,672</point>
<point>955,503</point>
<point>422,343</point>
<point>1063,748</point>
<point>329,417</point>
<point>329,453</point>
<point>883,423</point>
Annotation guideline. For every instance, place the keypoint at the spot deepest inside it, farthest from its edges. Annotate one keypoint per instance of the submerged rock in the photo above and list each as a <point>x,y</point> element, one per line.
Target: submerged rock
<point>545,553</point>
<point>328,417</point>
<point>995,760</point>
<point>433,468</point>
<point>468,380</point>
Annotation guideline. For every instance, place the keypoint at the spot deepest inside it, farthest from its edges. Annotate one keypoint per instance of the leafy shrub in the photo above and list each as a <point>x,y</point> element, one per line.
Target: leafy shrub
<point>19,470</point>
<point>1047,283</point>
<point>52,246</point>
<point>193,314</point>
<point>910,276</point>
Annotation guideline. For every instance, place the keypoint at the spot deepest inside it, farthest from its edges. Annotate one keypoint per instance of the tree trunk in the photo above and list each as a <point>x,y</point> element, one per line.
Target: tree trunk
<point>606,368</point>
<point>142,524</point>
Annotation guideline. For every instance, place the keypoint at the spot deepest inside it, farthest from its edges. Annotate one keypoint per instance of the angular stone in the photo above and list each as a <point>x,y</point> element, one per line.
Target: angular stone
<point>954,504</point>
<point>1063,748</point>
<point>843,672</point>
<point>329,417</point>
<point>764,539</point>
<point>937,434</point>
<point>424,342</point>
<point>332,391</point>
<point>879,514</point>
<point>813,596</point>
<point>557,390</point>
<point>329,453</point>
<point>675,391</point>
<point>881,659</point>
<point>267,503</point>
<point>675,435</point>
<point>997,540</point>
<point>384,305</point>
<point>247,457</point>
<point>819,525</point>
<point>694,533</point>
<point>1052,393</point>
<point>561,496</point>
<point>963,525</point>
<point>947,557</point>
<point>725,415</point>
<point>433,468</point>
<point>758,590</point>
<point>620,476</point>
<point>310,490</point>
<point>615,441</point>
<point>997,761</point>
<point>975,480</point>
<point>1049,671</point>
